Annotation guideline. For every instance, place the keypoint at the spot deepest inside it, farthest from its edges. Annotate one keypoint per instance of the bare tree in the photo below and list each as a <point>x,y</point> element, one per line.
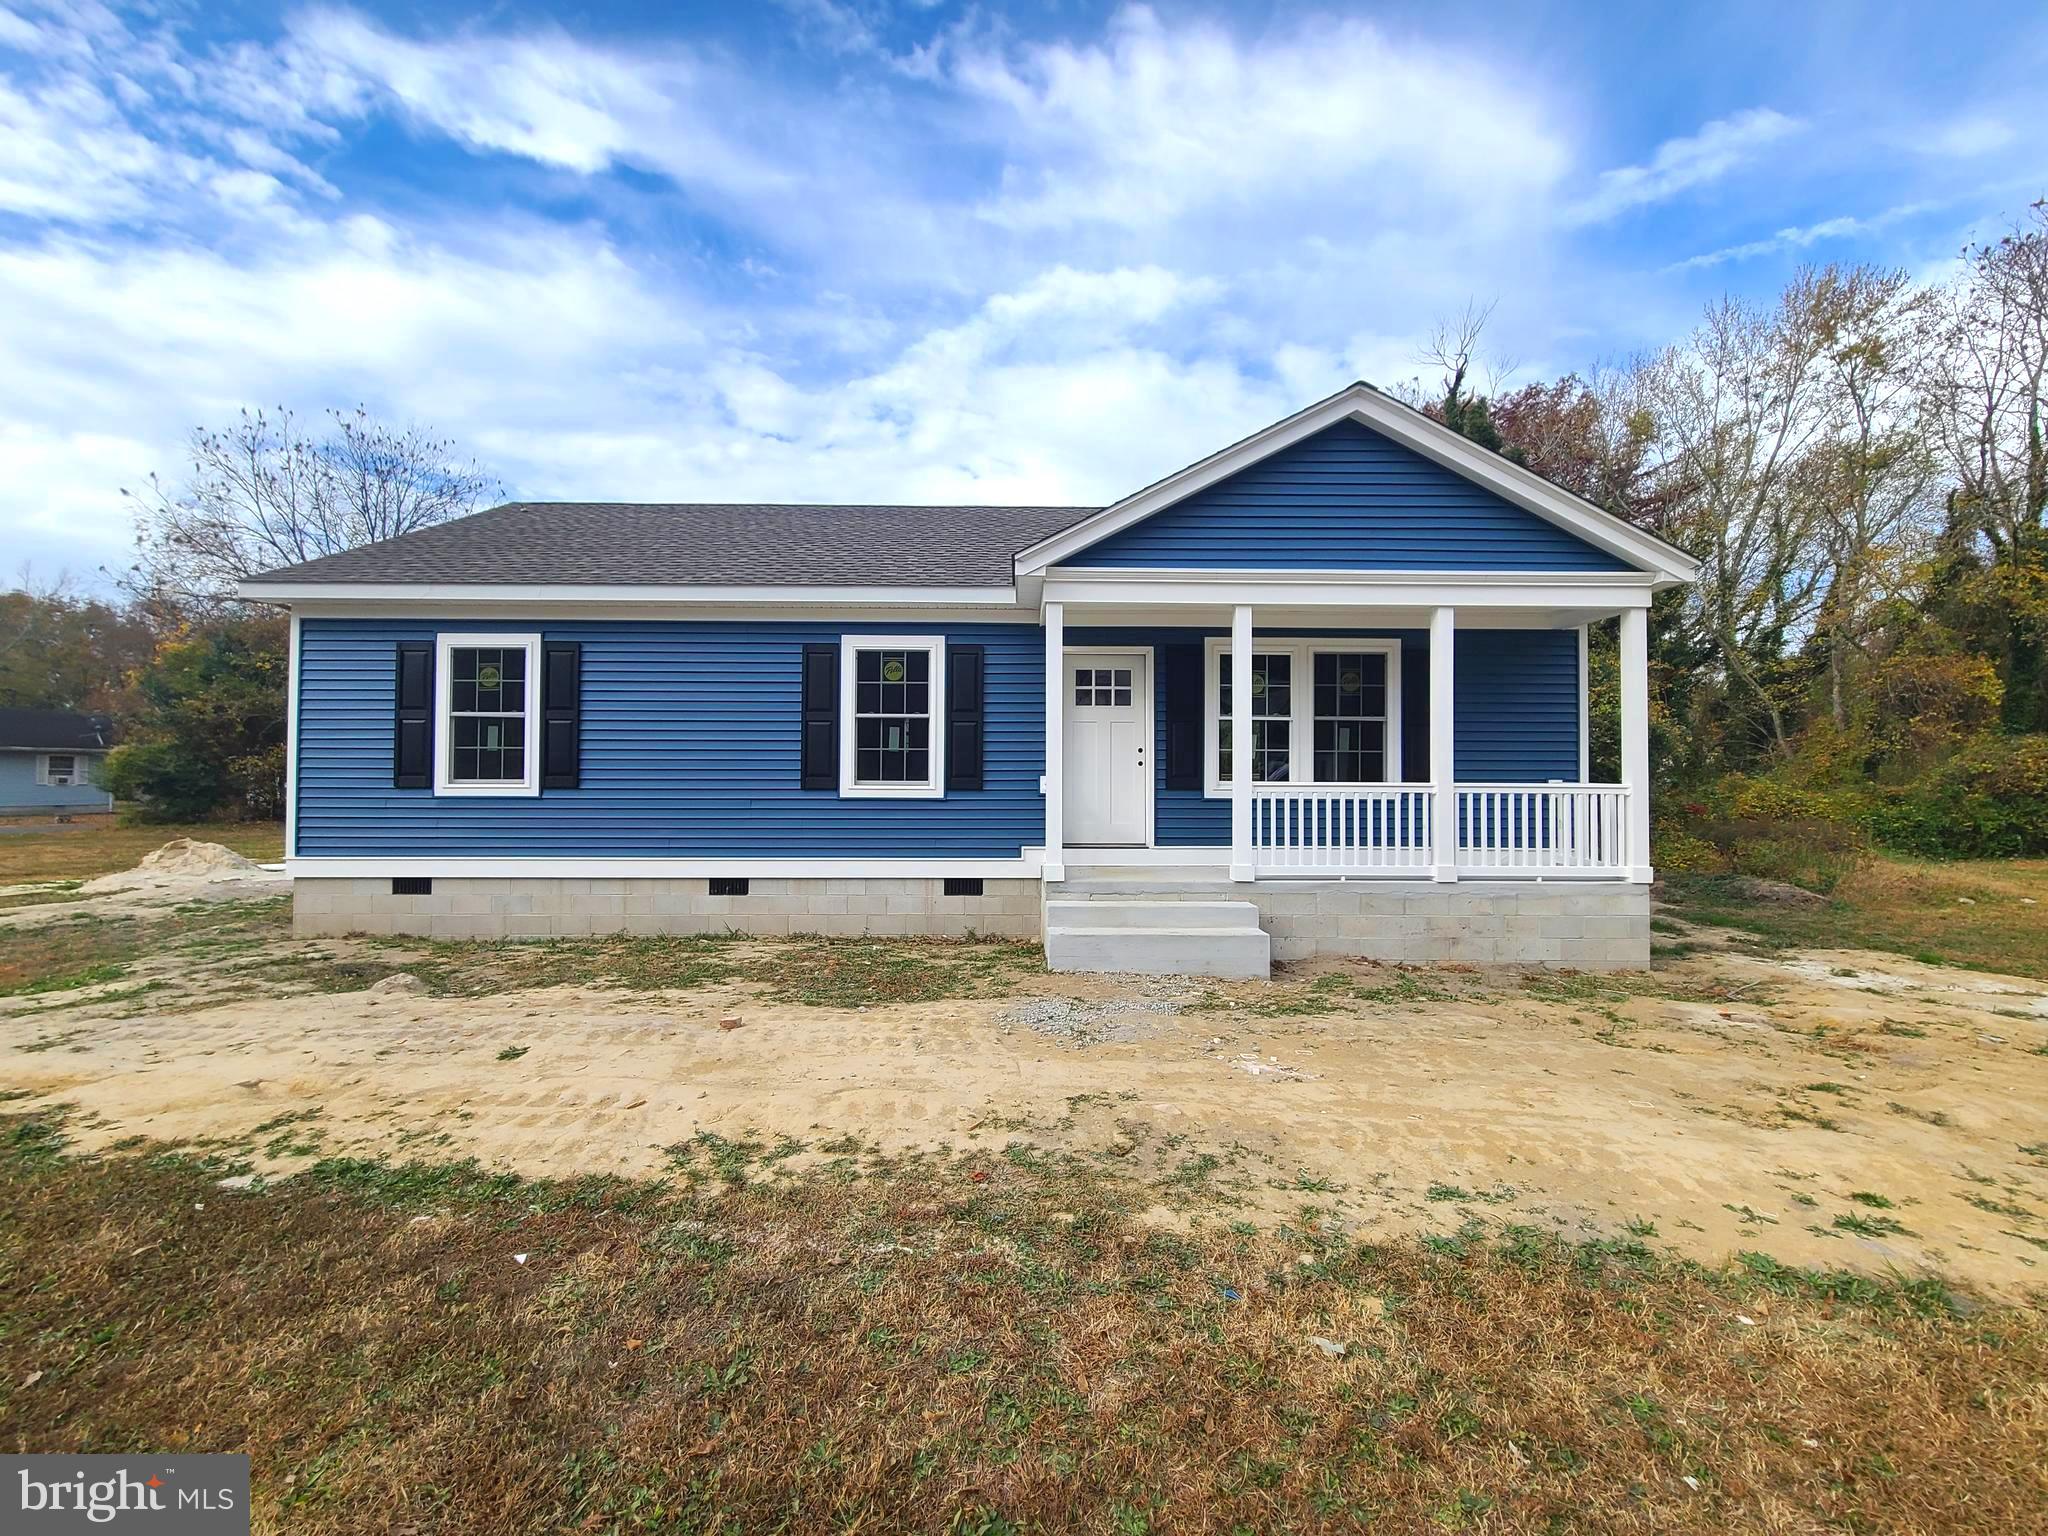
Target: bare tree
<point>1872,481</point>
<point>264,493</point>
<point>1986,382</point>
<point>1738,406</point>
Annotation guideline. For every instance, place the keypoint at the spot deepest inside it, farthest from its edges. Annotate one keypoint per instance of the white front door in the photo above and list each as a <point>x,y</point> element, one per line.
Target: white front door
<point>1108,748</point>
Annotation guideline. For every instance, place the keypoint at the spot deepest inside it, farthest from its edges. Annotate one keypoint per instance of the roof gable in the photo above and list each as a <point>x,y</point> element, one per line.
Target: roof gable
<point>1375,484</point>
<point>1347,498</point>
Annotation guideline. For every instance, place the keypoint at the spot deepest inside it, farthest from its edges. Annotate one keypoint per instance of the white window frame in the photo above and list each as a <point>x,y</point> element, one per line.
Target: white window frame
<point>74,780</point>
<point>444,732</point>
<point>1301,730</point>
<point>849,647</point>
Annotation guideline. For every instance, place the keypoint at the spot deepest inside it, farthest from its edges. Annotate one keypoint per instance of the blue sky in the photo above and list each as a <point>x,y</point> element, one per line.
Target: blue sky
<point>848,250</point>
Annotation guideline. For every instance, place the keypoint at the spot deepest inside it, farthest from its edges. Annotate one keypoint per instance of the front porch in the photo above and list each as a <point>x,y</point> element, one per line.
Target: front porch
<point>1420,784</point>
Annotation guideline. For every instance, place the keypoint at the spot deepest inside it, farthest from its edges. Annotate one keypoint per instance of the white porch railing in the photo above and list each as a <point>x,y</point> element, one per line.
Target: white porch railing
<point>1505,831</point>
<point>1333,829</point>
<point>1543,829</point>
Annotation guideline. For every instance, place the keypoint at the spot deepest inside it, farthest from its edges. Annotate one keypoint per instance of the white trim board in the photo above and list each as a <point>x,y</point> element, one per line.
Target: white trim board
<point>576,867</point>
<point>1362,403</point>
<point>1561,600</point>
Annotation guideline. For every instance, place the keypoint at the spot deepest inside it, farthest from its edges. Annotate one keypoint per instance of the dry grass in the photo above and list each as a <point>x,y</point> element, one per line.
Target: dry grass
<point>974,1346</point>
<point>1969,913</point>
<point>83,850</point>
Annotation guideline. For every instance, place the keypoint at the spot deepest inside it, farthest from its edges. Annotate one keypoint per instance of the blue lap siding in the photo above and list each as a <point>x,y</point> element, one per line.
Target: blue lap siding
<point>1347,499</point>
<point>690,750</point>
<point>19,790</point>
<point>1515,695</point>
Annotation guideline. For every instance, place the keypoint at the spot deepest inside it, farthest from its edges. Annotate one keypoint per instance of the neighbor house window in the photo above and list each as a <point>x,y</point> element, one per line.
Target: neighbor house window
<point>59,768</point>
<point>1323,712</point>
<point>487,741</point>
<point>890,741</point>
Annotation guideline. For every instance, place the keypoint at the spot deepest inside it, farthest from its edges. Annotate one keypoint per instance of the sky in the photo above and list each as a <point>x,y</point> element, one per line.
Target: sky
<point>931,251</point>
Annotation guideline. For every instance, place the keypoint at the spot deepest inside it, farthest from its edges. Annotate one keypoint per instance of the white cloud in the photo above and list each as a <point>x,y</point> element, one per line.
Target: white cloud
<point>1968,136</point>
<point>1157,121</point>
<point>1721,146</point>
<point>1799,237</point>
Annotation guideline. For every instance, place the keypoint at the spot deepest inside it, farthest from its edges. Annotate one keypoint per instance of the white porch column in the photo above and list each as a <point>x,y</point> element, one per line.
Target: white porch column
<point>1635,737</point>
<point>1241,743</point>
<point>1443,639</point>
<point>1055,867</point>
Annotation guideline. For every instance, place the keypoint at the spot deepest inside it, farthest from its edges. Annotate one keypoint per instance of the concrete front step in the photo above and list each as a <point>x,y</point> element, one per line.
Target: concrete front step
<point>1160,886</point>
<point>1103,913</point>
<point>1171,938</point>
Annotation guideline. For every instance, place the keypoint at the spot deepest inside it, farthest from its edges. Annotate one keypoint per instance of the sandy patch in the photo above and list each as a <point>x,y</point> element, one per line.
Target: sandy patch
<point>1754,1121</point>
<point>183,870</point>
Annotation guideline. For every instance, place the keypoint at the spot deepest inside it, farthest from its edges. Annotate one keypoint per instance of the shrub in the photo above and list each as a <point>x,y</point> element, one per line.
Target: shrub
<point>162,781</point>
<point>1680,853</point>
<point>1988,801</point>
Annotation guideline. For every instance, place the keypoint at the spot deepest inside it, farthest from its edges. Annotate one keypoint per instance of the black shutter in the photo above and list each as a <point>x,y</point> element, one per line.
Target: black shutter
<point>963,716</point>
<point>1182,666</point>
<point>561,714</point>
<point>412,758</point>
<point>820,751</point>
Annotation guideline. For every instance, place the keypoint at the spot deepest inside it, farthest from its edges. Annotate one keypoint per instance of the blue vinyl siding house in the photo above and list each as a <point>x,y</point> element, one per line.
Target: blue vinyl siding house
<point>49,761</point>
<point>870,720</point>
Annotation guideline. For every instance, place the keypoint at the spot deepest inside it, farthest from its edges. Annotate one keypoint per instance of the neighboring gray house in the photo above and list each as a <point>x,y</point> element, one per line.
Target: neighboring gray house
<point>48,761</point>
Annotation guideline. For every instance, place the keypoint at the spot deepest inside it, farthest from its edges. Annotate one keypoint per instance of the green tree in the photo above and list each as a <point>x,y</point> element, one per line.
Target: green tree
<point>205,723</point>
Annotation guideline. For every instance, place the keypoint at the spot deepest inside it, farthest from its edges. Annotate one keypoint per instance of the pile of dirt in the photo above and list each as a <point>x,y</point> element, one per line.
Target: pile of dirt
<point>180,862</point>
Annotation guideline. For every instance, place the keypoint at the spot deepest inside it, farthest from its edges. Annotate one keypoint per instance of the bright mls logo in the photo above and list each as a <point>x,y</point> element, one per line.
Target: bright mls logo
<point>165,1495</point>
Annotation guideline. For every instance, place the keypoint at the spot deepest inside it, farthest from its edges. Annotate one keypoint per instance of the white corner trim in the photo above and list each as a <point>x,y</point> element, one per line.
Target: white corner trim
<point>291,743</point>
<point>1301,722</point>
<point>1410,428</point>
<point>577,867</point>
<point>446,643</point>
<point>849,718</point>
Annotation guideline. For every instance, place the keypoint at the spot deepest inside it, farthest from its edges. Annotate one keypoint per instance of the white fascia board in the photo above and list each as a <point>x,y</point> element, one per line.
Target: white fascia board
<point>1411,429</point>
<point>444,595</point>
<point>1607,590</point>
<point>579,867</point>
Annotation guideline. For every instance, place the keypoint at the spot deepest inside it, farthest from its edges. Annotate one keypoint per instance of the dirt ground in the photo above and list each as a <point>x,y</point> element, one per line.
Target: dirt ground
<point>1830,1108</point>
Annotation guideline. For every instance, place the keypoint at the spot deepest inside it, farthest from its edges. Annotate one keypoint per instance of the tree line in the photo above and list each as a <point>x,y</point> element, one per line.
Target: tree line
<point>1859,465</point>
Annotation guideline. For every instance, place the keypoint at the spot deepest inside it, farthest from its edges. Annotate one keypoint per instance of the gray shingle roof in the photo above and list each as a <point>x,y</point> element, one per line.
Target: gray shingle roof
<point>54,730</point>
<point>581,543</point>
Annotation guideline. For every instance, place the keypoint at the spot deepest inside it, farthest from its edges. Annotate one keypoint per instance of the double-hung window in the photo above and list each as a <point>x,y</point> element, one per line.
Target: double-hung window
<point>891,739</point>
<point>1322,712</point>
<point>488,690</point>
<point>59,768</point>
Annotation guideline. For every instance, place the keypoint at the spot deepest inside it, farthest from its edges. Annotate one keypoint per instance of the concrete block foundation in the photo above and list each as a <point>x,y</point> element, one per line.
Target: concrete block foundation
<point>1591,926</point>
<point>576,908</point>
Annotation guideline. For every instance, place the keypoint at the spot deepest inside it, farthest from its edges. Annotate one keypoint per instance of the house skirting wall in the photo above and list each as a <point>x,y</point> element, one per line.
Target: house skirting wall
<point>1589,926</point>
<point>571,908</point>
<point>1594,926</point>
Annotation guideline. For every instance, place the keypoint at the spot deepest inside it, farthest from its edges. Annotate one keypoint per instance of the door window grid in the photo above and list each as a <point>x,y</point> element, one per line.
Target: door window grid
<point>1102,687</point>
